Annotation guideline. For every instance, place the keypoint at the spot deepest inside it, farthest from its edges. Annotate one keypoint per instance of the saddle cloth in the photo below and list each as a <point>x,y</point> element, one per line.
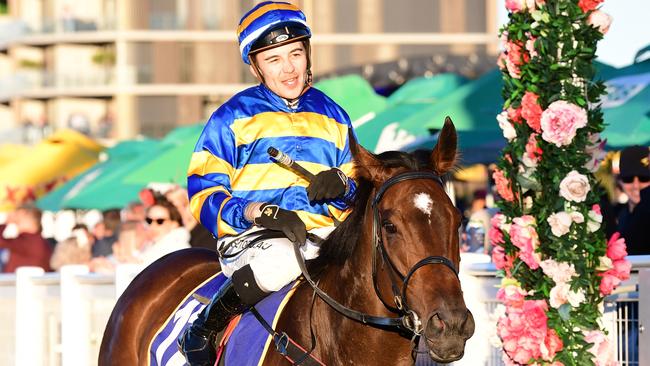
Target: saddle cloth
<point>247,344</point>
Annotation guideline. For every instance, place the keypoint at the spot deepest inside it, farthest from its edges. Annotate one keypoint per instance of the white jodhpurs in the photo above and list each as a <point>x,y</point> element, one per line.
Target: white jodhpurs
<point>272,261</point>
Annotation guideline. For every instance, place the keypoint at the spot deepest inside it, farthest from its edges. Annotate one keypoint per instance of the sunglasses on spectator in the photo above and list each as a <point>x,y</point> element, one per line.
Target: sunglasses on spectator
<point>150,221</point>
<point>630,179</point>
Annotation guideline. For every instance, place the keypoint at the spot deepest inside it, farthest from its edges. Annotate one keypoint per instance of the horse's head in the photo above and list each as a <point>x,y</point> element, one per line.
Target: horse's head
<point>416,228</point>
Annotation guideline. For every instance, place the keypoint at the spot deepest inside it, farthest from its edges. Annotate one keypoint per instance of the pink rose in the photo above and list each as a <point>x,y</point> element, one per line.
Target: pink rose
<point>515,5</point>
<point>502,260</point>
<point>574,187</point>
<point>515,58</point>
<point>514,114</point>
<point>524,236</point>
<point>531,111</point>
<point>521,5</point>
<point>608,283</point>
<point>533,152</point>
<point>616,248</point>
<point>600,20</point>
<point>512,295</point>
<point>524,330</point>
<point>503,185</point>
<point>587,5</point>
<point>560,121</point>
<point>495,234</point>
<point>622,269</point>
<point>602,349</point>
<point>596,209</point>
<point>530,45</point>
<point>501,61</point>
<point>553,344</point>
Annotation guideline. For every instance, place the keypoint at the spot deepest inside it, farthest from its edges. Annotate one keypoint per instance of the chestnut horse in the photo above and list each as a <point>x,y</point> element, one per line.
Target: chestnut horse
<point>395,257</point>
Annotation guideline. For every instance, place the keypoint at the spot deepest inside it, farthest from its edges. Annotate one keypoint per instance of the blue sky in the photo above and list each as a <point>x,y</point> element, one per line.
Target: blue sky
<point>629,31</point>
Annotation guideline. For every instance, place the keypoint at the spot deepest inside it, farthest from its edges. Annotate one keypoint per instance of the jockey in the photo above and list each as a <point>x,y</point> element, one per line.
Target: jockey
<point>238,192</point>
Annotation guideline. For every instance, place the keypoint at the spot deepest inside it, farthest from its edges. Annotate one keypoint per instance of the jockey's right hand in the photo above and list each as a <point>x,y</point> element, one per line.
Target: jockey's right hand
<point>275,218</point>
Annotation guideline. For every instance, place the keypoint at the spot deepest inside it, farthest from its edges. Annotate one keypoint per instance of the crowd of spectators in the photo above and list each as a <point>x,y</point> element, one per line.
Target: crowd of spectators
<point>140,233</point>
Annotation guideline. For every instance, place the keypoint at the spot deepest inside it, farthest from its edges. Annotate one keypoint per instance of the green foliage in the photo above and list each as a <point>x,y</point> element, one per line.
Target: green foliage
<point>559,67</point>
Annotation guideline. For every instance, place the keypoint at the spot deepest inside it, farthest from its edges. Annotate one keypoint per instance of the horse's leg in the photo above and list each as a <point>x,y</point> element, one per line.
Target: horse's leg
<point>149,300</point>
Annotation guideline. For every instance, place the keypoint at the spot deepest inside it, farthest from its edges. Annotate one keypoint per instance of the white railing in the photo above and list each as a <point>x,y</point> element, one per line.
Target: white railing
<point>59,317</point>
<point>480,286</point>
<point>54,319</point>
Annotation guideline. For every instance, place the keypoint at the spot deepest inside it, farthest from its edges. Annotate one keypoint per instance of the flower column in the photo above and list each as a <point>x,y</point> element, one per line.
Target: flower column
<point>548,241</point>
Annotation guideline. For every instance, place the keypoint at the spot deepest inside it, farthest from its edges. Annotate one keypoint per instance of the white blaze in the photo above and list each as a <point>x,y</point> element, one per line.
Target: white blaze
<point>424,203</point>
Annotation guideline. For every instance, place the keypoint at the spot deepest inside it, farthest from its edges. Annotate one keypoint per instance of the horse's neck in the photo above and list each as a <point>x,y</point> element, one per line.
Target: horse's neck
<point>351,285</point>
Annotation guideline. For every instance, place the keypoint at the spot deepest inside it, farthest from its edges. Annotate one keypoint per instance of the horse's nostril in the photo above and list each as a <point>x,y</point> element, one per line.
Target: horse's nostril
<point>436,324</point>
<point>468,325</point>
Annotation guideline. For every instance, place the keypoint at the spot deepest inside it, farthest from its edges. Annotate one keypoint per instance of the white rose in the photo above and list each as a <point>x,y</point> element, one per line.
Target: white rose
<point>560,223</point>
<point>576,298</point>
<point>577,217</point>
<point>600,20</point>
<point>574,187</point>
<point>605,264</point>
<point>595,219</point>
<point>558,295</point>
<point>509,131</point>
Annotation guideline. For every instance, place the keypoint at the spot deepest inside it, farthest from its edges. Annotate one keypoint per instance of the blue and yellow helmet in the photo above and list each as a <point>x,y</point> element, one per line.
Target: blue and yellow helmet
<point>270,24</point>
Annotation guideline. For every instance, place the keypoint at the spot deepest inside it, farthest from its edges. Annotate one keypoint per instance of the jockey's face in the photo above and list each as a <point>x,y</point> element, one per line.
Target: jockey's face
<point>284,69</point>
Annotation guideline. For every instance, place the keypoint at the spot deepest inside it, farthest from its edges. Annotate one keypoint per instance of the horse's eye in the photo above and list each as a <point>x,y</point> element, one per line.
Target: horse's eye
<point>389,227</point>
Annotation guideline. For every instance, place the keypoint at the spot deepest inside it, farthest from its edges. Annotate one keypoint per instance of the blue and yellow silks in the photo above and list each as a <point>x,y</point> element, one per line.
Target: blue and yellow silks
<point>230,166</point>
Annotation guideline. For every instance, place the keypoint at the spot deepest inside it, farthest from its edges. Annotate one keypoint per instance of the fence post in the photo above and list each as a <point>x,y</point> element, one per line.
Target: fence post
<point>124,274</point>
<point>30,322</point>
<point>644,316</point>
<point>75,318</point>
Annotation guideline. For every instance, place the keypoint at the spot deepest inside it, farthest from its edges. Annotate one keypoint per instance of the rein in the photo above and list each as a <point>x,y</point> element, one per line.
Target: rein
<point>409,321</point>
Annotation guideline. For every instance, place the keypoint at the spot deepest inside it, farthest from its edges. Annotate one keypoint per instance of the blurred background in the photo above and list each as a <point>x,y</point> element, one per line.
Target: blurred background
<point>102,101</point>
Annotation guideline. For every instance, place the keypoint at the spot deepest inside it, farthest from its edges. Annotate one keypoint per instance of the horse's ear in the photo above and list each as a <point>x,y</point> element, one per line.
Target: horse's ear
<point>367,165</point>
<point>443,156</point>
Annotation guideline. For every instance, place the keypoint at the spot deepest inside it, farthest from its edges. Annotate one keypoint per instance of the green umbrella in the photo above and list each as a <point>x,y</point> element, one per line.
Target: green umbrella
<point>116,157</point>
<point>473,146</point>
<point>170,166</point>
<point>472,107</point>
<point>626,107</point>
<point>354,94</point>
<point>413,97</point>
<point>117,187</point>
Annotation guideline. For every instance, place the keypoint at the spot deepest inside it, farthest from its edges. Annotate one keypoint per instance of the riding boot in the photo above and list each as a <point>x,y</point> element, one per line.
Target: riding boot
<point>237,294</point>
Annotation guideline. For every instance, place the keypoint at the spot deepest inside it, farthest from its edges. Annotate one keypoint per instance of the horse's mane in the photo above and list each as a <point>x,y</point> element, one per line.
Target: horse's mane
<point>342,242</point>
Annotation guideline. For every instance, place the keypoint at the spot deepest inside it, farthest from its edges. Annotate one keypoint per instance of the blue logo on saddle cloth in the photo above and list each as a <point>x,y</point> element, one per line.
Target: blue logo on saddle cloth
<point>249,341</point>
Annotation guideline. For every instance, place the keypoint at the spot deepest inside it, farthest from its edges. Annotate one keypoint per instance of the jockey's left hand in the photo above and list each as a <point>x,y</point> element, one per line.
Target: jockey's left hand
<point>328,185</point>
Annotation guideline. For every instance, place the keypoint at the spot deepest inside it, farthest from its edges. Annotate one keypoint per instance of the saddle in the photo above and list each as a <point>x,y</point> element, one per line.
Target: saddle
<point>244,342</point>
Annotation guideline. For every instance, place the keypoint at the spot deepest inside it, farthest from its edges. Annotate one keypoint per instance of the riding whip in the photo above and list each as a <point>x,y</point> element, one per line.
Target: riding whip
<point>285,160</point>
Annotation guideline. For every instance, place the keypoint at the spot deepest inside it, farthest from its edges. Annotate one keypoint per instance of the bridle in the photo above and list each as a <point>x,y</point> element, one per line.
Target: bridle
<point>408,322</point>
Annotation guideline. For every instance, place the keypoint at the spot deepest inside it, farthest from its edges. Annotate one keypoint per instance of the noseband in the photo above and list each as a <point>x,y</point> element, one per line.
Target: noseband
<point>408,321</point>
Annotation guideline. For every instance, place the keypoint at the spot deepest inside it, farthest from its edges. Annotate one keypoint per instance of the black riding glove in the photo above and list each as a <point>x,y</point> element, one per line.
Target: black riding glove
<point>328,185</point>
<point>273,217</point>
